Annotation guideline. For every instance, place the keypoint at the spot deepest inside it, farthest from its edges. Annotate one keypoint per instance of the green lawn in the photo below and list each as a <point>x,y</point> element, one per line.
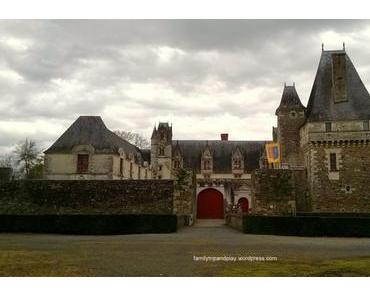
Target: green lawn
<point>339,267</point>
<point>55,263</point>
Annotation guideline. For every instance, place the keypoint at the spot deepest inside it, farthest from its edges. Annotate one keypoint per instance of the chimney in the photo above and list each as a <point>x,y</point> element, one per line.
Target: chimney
<point>224,136</point>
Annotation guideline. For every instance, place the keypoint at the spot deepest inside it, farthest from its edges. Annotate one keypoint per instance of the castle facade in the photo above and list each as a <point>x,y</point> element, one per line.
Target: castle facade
<point>328,142</point>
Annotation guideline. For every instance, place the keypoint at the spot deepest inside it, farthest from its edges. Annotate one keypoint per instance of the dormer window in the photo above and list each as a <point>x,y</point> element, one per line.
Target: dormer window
<point>207,162</point>
<point>207,165</point>
<point>237,162</point>
<point>177,158</point>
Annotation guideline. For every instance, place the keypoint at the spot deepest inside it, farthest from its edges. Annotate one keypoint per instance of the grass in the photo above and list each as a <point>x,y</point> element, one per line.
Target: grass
<point>46,263</point>
<point>359,266</point>
<point>39,263</point>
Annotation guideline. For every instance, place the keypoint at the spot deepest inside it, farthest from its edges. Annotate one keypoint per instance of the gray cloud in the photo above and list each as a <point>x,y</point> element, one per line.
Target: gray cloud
<point>137,72</point>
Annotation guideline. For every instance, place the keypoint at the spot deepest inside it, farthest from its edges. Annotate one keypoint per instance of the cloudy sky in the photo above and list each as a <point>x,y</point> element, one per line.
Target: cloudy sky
<point>206,77</point>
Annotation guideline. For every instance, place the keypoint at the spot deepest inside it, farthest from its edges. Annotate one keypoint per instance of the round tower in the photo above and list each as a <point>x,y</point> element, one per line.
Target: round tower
<point>291,116</point>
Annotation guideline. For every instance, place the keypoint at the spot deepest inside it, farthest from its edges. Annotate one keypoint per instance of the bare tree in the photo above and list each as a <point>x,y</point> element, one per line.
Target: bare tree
<point>27,154</point>
<point>7,160</point>
<point>134,138</point>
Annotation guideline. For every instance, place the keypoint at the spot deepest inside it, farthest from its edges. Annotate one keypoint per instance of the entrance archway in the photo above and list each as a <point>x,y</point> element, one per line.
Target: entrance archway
<point>210,204</point>
<point>243,204</point>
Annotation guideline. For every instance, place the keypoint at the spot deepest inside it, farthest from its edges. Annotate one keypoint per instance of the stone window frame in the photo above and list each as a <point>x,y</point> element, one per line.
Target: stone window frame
<point>333,164</point>
<point>333,175</point>
<point>84,150</point>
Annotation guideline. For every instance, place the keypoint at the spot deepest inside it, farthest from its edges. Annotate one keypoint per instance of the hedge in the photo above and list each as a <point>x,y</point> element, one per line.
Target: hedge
<point>89,224</point>
<point>334,214</point>
<point>307,225</point>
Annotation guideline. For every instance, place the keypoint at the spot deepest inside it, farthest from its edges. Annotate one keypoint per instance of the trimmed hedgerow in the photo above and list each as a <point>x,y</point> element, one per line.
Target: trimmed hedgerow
<point>89,224</point>
<point>308,225</point>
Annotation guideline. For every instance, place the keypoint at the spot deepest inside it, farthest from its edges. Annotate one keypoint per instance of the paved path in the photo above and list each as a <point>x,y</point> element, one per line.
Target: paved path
<point>169,254</point>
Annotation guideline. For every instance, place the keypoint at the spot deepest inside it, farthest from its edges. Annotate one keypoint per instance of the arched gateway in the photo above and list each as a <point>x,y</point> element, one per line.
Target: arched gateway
<point>210,204</point>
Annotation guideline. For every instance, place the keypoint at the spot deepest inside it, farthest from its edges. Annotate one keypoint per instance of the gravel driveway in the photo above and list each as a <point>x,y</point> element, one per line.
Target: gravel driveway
<point>163,254</point>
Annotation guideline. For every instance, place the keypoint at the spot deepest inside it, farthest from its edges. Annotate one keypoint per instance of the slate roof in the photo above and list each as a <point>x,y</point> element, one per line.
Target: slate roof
<point>91,130</point>
<point>289,98</point>
<point>321,106</point>
<point>191,151</point>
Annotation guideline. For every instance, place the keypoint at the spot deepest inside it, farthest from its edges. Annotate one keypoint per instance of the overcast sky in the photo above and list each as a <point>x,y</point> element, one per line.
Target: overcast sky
<point>206,77</point>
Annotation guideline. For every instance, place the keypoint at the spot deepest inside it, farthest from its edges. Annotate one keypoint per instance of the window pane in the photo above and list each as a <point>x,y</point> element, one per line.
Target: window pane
<point>333,162</point>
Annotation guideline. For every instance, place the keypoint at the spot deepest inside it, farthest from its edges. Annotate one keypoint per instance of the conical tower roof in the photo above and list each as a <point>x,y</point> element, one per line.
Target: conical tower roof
<point>289,99</point>
<point>322,105</point>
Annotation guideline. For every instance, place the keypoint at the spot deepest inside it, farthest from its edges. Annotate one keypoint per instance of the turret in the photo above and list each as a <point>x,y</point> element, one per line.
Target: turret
<point>161,151</point>
<point>291,116</point>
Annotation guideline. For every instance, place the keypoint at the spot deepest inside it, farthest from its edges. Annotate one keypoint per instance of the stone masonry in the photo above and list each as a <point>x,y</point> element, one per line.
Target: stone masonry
<point>279,192</point>
<point>87,197</point>
<point>345,190</point>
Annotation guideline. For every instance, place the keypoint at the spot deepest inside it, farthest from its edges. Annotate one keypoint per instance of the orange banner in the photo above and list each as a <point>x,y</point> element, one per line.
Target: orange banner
<point>273,152</point>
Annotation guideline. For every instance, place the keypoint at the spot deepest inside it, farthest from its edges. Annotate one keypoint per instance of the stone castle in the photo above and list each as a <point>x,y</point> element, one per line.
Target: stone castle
<point>324,154</point>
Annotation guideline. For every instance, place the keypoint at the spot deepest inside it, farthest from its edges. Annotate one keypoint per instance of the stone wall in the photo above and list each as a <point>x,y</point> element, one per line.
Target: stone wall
<point>345,190</point>
<point>87,197</point>
<point>101,167</point>
<point>289,122</point>
<point>184,194</point>
<point>279,192</point>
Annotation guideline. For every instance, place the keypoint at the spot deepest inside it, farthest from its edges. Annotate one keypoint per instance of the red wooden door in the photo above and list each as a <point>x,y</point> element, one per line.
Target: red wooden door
<point>210,205</point>
<point>243,204</point>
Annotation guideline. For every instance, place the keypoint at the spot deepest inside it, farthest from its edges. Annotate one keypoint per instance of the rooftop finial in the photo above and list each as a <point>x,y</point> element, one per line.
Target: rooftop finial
<point>284,84</point>
<point>322,46</point>
<point>344,46</point>
<point>293,83</point>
